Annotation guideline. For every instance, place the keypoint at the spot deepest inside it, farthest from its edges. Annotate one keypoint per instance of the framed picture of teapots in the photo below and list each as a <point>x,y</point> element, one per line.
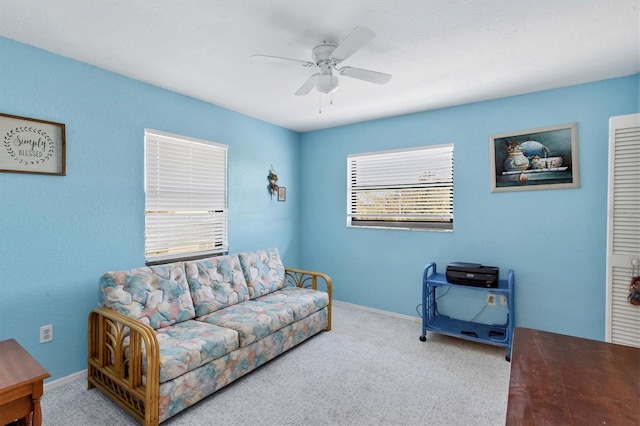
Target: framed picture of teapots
<point>543,158</point>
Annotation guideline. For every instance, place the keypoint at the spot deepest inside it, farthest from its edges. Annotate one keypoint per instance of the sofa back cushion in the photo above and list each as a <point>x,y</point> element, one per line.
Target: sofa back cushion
<point>263,271</point>
<point>215,283</point>
<point>156,295</point>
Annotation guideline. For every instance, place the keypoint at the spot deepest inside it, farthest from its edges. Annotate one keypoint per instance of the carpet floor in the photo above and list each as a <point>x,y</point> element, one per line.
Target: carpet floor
<point>371,369</point>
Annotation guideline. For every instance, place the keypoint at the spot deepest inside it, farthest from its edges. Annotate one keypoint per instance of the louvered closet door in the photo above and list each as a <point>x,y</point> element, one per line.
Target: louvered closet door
<point>623,228</point>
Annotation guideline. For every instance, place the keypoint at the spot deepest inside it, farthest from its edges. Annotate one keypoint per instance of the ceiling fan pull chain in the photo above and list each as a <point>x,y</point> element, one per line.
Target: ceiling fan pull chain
<point>331,93</point>
<point>319,103</point>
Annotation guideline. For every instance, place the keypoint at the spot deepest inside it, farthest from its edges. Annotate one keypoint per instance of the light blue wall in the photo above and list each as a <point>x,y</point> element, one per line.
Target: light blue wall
<point>554,240</point>
<point>58,235</point>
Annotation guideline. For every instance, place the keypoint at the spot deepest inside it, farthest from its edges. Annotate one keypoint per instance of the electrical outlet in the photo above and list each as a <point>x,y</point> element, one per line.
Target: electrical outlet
<point>503,299</point>
<point>46,333</point>
<point>491,299</point>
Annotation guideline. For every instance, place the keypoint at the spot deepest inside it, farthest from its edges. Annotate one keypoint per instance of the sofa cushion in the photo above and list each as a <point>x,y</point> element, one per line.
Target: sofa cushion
<point>303,301</point>
<point>216,283</point>
<point>252,320</point>
<point>263,271</point>
<point>190,344</point>
<point>184,391</point>
<point>157,295</point>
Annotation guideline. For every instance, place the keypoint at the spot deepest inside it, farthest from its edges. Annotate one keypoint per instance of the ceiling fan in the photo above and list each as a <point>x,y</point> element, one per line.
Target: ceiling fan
<point>327,56</point>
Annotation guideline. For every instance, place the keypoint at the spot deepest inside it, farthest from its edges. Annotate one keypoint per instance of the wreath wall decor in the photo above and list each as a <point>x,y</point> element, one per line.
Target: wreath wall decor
<point>272,177</point>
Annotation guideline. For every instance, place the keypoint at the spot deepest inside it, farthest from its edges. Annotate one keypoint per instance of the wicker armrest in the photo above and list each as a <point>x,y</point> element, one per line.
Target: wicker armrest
<point>309,279</point>
<point>115,362</point>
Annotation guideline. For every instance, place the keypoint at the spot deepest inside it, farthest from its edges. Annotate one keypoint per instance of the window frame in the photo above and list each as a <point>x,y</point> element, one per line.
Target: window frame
<point>398,164</point>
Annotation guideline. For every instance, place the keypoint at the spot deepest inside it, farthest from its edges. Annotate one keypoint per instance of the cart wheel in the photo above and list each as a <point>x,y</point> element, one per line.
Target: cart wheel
<point>508,358</point>
<point>423,338</point>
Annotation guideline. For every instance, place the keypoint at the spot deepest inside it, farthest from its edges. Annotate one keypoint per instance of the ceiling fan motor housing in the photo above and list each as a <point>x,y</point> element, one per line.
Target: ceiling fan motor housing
<point>322,53</point>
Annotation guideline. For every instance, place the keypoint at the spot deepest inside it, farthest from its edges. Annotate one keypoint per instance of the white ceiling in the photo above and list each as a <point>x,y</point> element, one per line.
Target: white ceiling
<point>440,52</point>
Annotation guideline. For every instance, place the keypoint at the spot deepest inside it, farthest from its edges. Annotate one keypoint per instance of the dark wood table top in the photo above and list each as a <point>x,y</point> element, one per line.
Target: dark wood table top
<point>564,380</point>
<point>17,366</point>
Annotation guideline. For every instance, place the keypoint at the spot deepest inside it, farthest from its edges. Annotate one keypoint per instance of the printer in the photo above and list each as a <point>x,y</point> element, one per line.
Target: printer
<point>472,274</point>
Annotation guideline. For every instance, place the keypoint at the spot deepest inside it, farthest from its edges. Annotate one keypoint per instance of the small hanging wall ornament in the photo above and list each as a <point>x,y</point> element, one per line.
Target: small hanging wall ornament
<point>273,181</point>
<point>634,286</point>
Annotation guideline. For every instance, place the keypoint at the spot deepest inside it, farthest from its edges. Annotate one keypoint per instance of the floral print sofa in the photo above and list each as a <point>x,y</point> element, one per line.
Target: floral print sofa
<point>167,336</point>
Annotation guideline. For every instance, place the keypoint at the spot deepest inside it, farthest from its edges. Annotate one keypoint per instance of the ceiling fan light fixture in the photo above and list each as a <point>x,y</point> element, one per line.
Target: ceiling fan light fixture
<point>327,83</point>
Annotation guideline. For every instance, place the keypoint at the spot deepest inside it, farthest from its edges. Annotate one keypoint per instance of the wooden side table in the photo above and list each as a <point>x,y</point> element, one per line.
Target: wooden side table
<point>565,380</point>
<point>21,385</point>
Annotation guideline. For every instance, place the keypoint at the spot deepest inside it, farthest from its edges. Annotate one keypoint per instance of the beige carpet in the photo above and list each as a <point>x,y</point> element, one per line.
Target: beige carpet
<point>371,369</point>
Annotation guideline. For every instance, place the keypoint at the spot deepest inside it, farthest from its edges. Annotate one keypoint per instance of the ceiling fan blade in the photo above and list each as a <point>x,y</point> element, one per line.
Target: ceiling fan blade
<point>307,85</point>
<point>366,75</point>
<point>353,42</point>
<point>281,60</point>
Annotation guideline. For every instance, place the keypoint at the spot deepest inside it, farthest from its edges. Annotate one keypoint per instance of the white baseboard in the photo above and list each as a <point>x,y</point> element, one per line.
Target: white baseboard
<point>64,380</point>
<point>377,311</point>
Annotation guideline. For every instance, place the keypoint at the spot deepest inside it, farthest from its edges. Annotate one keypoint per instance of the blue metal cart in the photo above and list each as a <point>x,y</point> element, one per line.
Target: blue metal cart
<point>432,320</point>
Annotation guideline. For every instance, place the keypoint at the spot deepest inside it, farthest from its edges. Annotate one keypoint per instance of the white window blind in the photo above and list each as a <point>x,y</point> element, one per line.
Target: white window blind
<point>185,197</point>
<point>411,188</point>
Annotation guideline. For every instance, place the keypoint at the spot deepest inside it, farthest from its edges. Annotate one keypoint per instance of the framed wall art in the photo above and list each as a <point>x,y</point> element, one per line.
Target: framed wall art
<point>282,193</point>
<point>543,158</point>
<point>29,145</point>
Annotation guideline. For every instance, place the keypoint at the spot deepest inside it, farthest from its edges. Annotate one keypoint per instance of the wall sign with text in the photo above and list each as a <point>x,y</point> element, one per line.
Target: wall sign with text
<point>29,145</point>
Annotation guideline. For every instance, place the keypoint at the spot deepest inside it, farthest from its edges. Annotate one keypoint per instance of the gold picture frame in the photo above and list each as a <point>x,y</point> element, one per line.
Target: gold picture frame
<point>541,158</point>
<point>29,145</point>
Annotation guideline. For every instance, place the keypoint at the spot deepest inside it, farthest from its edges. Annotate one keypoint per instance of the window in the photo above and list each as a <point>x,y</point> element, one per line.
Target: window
<point>409,189</point>
<point>185,197</point>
